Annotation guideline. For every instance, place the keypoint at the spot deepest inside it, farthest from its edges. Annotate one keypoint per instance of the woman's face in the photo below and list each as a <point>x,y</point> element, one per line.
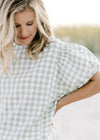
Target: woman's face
<point>25,27</point>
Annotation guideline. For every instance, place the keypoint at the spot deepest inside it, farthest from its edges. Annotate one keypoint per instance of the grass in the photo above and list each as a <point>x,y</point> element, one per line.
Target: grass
<point>88,36</point>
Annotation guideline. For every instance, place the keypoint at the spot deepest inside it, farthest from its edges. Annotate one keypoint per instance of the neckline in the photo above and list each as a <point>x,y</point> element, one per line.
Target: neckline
<point>22,48</point>
<point>19,47</point>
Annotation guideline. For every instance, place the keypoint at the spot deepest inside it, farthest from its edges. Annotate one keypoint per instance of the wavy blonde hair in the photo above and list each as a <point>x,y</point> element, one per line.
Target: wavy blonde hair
<point>7,10</point>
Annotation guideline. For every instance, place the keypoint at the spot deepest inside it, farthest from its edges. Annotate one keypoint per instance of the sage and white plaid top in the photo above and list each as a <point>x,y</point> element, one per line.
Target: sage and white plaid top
<point>28,99</point>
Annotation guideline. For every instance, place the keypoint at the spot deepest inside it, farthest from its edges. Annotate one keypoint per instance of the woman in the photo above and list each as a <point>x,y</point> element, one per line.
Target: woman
<point>39,73</point>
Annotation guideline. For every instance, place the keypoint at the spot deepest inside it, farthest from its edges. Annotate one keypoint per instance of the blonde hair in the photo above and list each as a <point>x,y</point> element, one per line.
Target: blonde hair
<point>7,10</point>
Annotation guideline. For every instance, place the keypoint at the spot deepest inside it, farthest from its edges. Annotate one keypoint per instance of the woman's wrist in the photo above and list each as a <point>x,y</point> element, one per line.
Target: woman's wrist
<point>58,106</point>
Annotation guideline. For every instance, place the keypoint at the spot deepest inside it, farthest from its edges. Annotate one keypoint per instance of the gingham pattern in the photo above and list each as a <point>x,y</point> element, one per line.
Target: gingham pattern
<point>28,100</point>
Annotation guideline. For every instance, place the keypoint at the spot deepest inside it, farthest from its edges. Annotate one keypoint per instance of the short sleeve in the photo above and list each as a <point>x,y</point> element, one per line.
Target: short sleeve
<point>76,66</point>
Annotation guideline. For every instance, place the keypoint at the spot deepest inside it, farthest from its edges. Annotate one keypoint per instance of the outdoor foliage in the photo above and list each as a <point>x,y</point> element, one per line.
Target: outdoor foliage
<point>88,36</point>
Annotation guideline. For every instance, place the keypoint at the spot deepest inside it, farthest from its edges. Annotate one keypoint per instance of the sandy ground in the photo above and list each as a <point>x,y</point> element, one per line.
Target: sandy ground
<point>79,120</point>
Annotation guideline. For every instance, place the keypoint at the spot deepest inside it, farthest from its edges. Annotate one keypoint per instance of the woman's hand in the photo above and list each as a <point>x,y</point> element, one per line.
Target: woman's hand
<point>57,107</point>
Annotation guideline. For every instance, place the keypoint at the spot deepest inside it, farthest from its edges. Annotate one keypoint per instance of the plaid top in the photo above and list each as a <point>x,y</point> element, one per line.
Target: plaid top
<point>28,99</point>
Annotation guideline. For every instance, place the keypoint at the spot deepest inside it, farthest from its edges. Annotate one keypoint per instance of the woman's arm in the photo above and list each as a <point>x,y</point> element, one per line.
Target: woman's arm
<point>91,88</point>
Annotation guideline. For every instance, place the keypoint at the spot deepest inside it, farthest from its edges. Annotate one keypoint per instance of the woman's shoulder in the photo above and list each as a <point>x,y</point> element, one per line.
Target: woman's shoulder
<point>61,45</point>
<point>70,50</point>
<point>56,42</point>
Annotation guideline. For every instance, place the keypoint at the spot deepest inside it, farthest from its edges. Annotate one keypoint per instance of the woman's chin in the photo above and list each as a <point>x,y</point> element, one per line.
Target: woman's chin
<point>23,41</point>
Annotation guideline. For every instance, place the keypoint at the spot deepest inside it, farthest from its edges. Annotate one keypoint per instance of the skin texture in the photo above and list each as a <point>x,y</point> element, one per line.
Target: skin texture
<point>90,89</point>
<point>25,27</point>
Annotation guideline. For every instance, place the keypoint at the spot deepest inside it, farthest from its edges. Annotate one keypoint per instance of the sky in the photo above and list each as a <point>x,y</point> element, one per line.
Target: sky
<point>73,12</point>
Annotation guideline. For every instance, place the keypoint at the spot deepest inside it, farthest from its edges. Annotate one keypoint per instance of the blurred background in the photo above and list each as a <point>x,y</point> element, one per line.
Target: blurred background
<point>77,21</point>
